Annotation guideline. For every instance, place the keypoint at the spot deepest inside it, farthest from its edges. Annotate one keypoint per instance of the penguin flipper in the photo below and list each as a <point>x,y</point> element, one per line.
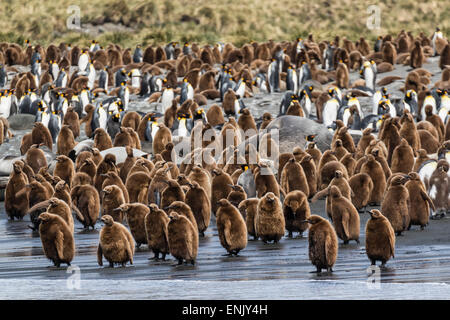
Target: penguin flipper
<point>227,233</point>
<point>328,246</point>
<point>78,214</point>
<point>345,221</point>
<point>59,244</point>
<point>99,255</point>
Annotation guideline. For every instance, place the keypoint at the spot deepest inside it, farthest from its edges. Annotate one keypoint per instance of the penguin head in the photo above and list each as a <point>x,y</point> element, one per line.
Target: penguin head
<point>314,219</point>
<point>107,220</point>
<point>375,214</point>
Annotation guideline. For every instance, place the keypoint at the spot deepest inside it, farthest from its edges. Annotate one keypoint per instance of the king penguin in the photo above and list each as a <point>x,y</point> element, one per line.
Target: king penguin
<point>291,79</point>
<point>3,76</point>
<point>83,60</point>
<point>61,81</point>
<point>166,99</point>
<point>137,55</point>
<point>187,92</point>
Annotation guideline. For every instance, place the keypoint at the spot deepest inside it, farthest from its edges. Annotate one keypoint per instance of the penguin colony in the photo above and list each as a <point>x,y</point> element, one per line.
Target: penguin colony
<point>129,174</point>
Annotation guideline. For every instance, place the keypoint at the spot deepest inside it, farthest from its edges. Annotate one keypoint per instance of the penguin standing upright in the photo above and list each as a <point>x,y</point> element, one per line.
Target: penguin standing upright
<point>5,105</point>
<point>145,85</point>
<point>3,76</point>
<point>330,111</point>
<point>124,95</point>
<point>286,101</point>
<point>328,54</point>
<point>91,74</point>
<point>444,107</point>
<point>437,34</point>
<point>378,43</point>
<point>239,89</point>
<point>54,125</point>
<point>137,54</point>
<point>291,79</point>
<point>61,81</point>
<point>410,102</point>
<point>170,50</point>
<point>186,49</point>
<point>54,70</point>
<point>135,76</point>
<point>368,74</point>
<point>304,74</point>
<point>100,118</point>
<point>429,100</point>
<point>166,99</point>
<point>305,100</point>
<point>83,60</point>
<point>273,76</point>
<point>225,82</point>
<point>187,92</point>
<point>120,76</point>
<point>36,72</point>
<point>103,79</point>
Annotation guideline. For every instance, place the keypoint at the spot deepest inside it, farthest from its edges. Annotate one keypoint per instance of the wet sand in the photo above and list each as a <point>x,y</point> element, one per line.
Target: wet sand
<point>420,269</point>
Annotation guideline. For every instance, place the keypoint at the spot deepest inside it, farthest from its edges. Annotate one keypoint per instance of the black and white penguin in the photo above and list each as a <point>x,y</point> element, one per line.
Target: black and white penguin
<point>170,50</point>
<point>260,81</point>
<point>376,98</point>
<point>3,76</point>
<point>54,69</point>
<point>328,54</point>
<point>91,74</point>
<point>372,121</point>
<point>286,101</point>
<point>444,106</point>
<point>156,84</point>
<point>330,111</point>
<point>167,97</point>
<point>430,99</point>
<point>291,79</point>
<point>145,85</point>
<point>151,128</point>
<point>273,76</point>
<point>137,54</point>
<point>187,92</point>
<point>437,34</point>
<point>99,118</point>
<point>83,60</point>
<point>124,95</point>
<point>103,79</point>
<point>94,46</point>
<point>410,102</point>
<point>187,49</point>
<point>120,76</point>
<point>378,44</point>
<point>368,73</point>
<point>135,76</point>
<point>61,81</point>
<point>304,74</point>
<point>5,103</point>
<point>305,100</point>
<point>113,124</point>
<point>239,88</point>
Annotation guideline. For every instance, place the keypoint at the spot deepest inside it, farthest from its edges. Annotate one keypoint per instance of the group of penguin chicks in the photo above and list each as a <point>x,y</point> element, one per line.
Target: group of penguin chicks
<point>167,206</point>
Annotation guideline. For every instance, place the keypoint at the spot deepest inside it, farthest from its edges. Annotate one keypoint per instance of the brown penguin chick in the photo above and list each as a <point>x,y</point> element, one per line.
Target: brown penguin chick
<point>444,59</point>
<point>116,243</point>
<point>113,179</point>
<point>349,163</point>
<point>47,185</point>
<point>127,164</point>
<point>416,57</point>
<point>62,192</point>
<point>137,185</point>
<point>41,135</point>
<point>25,143</point>
<point>201,176</point>
<point>382,160</point>
<point>131,119</point>
<point>248,209</point>
<point>169,153</point>
<point>328,172</point>
<point>323,243</point>
<point>269,220</point>
<point>173,192</point>
<point>419,201</point>
<point>389,52</point>
<point>64,169</point>
<point>102,140</point>
<point>228,104</point>
<point>220,187</point>
<point>265,181</point>
<point>295,109</point>
<point>88,166</point>
<point>237,195</point>
<point>266,120</point>
<point>158,184</point>
<point>366,138</point>
<point>35,158</point>
<point>247,123</point>
<point>283,158</point>
<point>140,165</point>
<point>123,138</point>
<point>36,193</point>
<point>341,183</point>
<point>182,209</point>
<point>327,156</point>
<point>347,140</point>
<point>402,158</point>
<point>170,114</point>
<point>112,198</point>
<point>83,155</point>
<point>436,121</point>
<point>293,178</point>
<point>71,119</point>
<point>86,198</point>
<point>380,238</point>
<point>338,149</point>
<point>314,152</point>
<point>342,77</point>
<point>395,204</point>
<point>438,188</point>
<point>298,154</point>
<point>57,239</point>
<point>66,141</point>
<point>390,136</point>
<point>428,141</point>
<point>231,228</point>
<point>107,164</point>
<point>198,201</point>
<point>162,137</point>
<point>156,222</point>
<point>408,131</point>
<point>421,158</point>
<point>296,210</point>
<point>309,168</point>
<point>183,238</point>
<point>362,186</point>
<point>447,131</point>
<point>61,209</point>
<point>215,115</point>
<point>374,169</point>
<point>344,215</point>
<point>135,216</point>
